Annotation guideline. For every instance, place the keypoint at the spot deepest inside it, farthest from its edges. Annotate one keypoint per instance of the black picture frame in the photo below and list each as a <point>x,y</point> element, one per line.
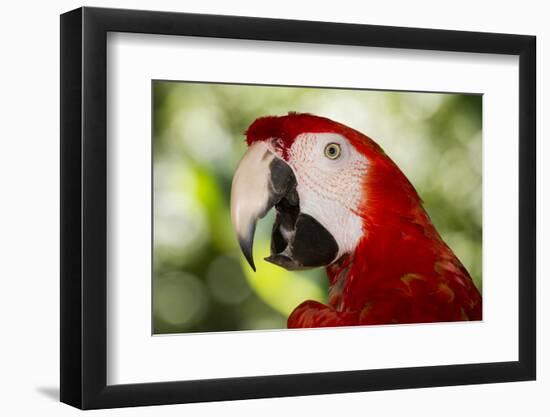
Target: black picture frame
<point>84,207</point>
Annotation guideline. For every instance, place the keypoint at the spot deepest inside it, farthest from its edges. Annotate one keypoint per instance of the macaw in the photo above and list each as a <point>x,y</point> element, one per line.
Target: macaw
<point>343,204</point>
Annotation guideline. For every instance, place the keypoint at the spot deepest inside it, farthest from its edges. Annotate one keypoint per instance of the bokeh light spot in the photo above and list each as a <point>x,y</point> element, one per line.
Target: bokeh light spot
<point>179,299</point>
<point>226,280</point>
<point>281,289</point>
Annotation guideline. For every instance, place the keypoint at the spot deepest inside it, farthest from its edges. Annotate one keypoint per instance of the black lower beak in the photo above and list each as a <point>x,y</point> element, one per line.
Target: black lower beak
<point>298,241</point>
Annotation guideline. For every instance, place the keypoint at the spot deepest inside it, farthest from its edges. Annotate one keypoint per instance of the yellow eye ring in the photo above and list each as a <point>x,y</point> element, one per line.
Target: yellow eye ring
<point>333,151</point>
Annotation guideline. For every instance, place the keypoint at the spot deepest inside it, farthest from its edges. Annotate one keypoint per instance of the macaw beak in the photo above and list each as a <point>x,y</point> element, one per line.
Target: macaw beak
<point>263,181</point>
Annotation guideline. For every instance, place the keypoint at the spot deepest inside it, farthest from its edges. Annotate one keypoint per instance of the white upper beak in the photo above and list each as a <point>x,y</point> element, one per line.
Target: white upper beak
<point>250,194</point>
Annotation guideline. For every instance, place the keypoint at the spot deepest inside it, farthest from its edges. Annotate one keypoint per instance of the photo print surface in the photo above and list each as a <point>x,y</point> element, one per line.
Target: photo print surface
<point>281,207</point>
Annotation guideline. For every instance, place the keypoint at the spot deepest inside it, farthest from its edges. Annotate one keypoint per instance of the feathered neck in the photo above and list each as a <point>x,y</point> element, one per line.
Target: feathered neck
<point>399,238</point>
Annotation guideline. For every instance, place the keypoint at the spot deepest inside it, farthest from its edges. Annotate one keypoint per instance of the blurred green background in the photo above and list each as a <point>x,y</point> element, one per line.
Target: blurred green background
<point>201,283</point>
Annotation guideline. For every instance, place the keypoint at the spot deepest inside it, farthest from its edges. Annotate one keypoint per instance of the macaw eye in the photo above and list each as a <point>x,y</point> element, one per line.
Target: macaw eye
<point>333,151</point>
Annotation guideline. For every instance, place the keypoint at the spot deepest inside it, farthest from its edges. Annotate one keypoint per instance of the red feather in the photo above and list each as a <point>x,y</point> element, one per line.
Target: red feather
<point>401,271</point>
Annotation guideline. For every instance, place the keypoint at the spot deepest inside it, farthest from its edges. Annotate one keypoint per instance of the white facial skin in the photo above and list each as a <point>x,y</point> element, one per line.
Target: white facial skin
<point>330,185</point>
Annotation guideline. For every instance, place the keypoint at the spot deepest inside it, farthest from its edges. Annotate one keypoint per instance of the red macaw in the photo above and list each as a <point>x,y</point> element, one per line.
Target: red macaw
<point>343,204</point>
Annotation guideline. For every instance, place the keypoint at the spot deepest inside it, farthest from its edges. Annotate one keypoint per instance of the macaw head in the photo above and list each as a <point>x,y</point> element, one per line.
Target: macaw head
<point>329,184</point>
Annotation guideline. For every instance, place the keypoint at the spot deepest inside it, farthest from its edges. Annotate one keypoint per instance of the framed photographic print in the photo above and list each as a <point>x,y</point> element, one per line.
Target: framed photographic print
<point>257,207</point>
